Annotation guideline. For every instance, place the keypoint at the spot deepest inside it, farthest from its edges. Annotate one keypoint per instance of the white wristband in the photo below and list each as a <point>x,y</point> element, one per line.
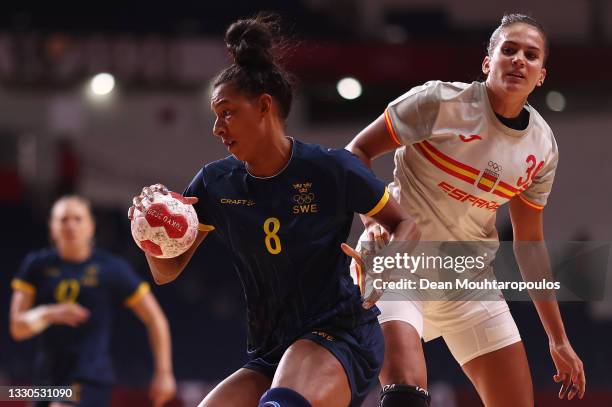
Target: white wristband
<point>35,320</point>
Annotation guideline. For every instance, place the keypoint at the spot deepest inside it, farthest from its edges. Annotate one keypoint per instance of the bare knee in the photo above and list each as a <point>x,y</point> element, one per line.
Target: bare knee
<point>404,360</point>
<point>403,375</point>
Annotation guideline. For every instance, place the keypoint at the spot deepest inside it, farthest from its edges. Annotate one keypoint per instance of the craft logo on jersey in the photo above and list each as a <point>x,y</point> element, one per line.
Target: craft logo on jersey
<point>304,199</point>
<point>229,201</point>
<point>489,177</point>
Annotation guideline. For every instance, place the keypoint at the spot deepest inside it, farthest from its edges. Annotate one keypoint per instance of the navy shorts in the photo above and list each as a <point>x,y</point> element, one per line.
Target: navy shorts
<point>359,350</point>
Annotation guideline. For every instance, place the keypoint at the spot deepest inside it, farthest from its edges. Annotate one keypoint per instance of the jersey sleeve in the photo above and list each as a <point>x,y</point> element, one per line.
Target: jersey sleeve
<point>26,279</point>
<point>411,117</point>
<point>127,286</point>
<point>536,195</point>
<point>365,193</point>
<point>197,188</point>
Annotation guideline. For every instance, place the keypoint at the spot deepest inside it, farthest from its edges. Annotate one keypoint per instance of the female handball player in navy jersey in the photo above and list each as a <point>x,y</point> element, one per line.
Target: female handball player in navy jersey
<point>284,208</point>
<point>67,295</point>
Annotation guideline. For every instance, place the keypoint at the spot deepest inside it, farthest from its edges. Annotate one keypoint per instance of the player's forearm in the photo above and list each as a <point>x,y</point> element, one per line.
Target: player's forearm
<point>29,323</point>
<point>167,270</point>
<point>366,220</point>
<point>164,270</point>
<point>406,230</point>
<point>161,343</point>
<point>548,311</point>
<point>534,264</point>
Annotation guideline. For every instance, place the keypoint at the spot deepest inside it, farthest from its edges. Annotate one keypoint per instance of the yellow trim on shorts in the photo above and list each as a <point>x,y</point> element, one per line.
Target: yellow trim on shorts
<point>142,289</point>
<point>20,285</point>
<point>205,228</point>
<point>381,204</point>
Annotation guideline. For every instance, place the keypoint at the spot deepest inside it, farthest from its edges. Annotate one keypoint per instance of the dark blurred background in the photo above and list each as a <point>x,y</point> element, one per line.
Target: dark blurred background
<point>64,129</point>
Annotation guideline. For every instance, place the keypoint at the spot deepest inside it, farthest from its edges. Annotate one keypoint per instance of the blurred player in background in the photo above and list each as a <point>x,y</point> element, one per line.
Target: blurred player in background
<point>67,295</point>
<point>284,208</point>
<point>461,150</point>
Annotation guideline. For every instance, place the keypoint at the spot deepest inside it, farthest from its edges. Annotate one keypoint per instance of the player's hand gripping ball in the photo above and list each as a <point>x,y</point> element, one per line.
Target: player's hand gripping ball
<point>164,224</point>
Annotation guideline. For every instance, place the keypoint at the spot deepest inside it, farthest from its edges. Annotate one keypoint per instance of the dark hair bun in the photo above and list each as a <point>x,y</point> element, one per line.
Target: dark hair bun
<point>251,41</point>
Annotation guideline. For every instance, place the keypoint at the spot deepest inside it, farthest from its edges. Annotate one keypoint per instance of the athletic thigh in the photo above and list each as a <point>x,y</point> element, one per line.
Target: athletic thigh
<point>243,388</point>
<point>313,371</point>
<point>502,377</point>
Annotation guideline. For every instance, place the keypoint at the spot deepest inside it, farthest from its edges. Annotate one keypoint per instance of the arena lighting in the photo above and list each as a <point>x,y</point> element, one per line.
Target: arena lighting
<point>349,88</point>
<point>102,84</point>
<point>555,101</point>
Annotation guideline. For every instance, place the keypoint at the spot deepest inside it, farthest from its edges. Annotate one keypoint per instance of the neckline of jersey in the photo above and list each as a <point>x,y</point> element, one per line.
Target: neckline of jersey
<point>505,129</point>
<point>75,263</point>
<point>281,170</point>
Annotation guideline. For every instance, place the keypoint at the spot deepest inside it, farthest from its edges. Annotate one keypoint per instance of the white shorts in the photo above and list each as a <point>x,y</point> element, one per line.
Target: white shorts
<point>469,328</point>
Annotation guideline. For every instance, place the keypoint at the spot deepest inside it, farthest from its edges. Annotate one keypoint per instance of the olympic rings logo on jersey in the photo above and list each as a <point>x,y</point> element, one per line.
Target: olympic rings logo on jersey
<point>302,199</point>
<point>495,166</point>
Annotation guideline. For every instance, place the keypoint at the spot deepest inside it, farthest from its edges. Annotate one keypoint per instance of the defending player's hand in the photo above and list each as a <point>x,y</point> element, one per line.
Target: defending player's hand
<point>570,370</point>
<point>162,389</point>
<point>378,235</point>
<point>374,295</point>
<point>67,314</point>
<point>147,195</point>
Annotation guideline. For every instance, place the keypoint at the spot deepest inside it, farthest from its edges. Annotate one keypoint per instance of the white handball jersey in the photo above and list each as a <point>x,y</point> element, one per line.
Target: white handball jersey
<point>458,163</point>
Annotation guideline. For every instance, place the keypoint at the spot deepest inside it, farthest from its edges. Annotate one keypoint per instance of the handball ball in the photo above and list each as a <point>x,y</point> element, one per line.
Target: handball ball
<point>167,228</point>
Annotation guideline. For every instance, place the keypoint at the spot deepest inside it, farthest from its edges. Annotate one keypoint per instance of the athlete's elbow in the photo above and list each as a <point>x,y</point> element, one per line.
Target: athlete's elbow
<point>18,333</point>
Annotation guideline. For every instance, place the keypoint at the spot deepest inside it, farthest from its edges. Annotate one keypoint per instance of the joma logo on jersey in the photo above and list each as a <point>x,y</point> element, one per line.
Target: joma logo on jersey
<point>304,199</point>
<point>467,139</point>
<point>463,196</point>
<point>229,201</point>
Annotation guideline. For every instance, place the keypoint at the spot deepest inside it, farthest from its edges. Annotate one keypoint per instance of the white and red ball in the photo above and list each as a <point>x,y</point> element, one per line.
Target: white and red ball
<point>167,228</point>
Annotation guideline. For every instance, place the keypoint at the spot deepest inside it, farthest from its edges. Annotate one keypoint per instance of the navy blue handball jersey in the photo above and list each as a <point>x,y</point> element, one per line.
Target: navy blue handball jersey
<point>101,284</point>
<point>284,233</point>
